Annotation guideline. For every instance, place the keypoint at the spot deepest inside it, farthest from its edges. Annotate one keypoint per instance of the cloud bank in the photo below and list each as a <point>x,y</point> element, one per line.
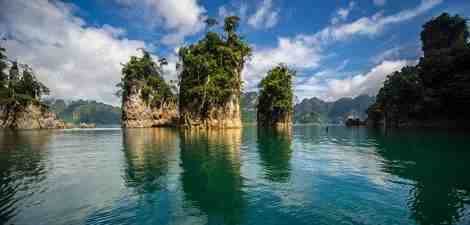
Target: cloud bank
<point>74,60</point>
<point>179,18</point>
<point>331,89</point>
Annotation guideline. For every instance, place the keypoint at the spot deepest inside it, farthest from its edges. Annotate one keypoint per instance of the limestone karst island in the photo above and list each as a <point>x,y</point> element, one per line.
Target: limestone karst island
<point>231,112</point>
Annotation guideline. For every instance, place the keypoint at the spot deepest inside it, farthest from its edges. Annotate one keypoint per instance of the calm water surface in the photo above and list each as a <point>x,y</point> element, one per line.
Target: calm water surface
<point>249,176</point>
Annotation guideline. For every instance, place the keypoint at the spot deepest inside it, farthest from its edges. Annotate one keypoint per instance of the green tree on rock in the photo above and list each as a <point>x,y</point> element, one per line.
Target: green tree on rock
<point>438,88</point>
<point>445,67</point>
<point>144,74</point>
<point>444,32</point>
<point>211,71</point>
<point>275,102</point>
<point>20,86</point>
<point>401,96</point>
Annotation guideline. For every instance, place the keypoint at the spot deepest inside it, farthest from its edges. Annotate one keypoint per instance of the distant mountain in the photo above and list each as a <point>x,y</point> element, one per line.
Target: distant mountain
<point>82,111</point>
<point>311,110</point>
<point>248,103</point>
<point>314,110</point>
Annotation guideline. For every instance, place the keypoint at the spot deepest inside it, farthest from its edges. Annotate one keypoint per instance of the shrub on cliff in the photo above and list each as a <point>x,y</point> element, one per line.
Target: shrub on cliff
<point>211,68</point>
<point>19,86</point>
<point>275,101</point>
<point>146,74</point>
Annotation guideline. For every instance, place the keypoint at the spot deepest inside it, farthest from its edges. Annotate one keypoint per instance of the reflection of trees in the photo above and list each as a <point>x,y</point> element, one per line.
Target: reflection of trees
<point>211,176</point>
<point>22,167</point>
<point>274,147</point>
<point>438,165</point>
<point>147,154</point>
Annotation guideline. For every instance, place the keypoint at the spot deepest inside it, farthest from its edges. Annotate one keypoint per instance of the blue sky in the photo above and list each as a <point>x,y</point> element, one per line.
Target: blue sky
<point>339,48</point>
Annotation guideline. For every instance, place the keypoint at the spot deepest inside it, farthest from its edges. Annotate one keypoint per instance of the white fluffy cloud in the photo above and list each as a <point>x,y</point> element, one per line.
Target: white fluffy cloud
<point>292,52</point>
<point>332,89</point>
<point>367,25</point>
<point>73,59</point>
<point>180,18</point>
<point>390,54</point>
<point>183,17</point>
<point>265,16</point>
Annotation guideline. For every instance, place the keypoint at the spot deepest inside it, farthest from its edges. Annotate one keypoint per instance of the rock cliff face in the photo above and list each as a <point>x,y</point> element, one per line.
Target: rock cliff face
<point>31,116</point>
<point>275,119</point>
<point>136,113</point>
<point>224,116</point>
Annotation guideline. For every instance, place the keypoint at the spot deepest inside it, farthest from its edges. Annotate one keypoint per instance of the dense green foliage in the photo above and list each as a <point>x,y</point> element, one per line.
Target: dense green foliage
<point>82,111</point>
<point>146,74</point>
<point>211,68</point>
<point>19,86</point>
<point>276,95</point>
<point>439,86</point>
<point>400,94</point>
<point>3,67</point>
<point>444,32</point>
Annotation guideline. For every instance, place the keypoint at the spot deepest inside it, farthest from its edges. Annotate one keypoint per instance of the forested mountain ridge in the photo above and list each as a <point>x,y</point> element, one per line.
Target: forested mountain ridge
<point>314,110</point>
<point>248,103</point>
<point>84,111</point>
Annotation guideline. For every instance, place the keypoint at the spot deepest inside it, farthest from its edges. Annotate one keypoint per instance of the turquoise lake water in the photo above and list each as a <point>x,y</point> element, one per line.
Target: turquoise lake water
<point>304,176</point>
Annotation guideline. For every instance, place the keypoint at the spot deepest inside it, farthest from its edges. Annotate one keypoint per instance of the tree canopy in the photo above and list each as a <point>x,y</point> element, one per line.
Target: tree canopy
<point>276,95</point>
<point>146,74</point>
<point>401,95</point>
<point>19,85</point>
<point>443,32</point>
<point>211,68</point>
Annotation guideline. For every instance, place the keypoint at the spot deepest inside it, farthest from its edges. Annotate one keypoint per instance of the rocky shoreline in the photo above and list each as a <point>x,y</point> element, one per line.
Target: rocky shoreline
<point>136,113</point>
<point>31,116</point>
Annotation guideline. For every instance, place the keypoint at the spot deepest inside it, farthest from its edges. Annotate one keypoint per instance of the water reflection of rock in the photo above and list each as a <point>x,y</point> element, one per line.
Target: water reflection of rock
<point>22,167</point>
<point>274,147</point>
<point>211,176</point>
<point>441,189</point>
<point>148,153</point>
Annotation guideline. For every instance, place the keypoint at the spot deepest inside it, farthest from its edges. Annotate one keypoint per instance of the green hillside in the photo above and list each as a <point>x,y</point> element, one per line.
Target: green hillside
<point>248,103</point>
<point>82,111</point>
<point>314,110</point>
